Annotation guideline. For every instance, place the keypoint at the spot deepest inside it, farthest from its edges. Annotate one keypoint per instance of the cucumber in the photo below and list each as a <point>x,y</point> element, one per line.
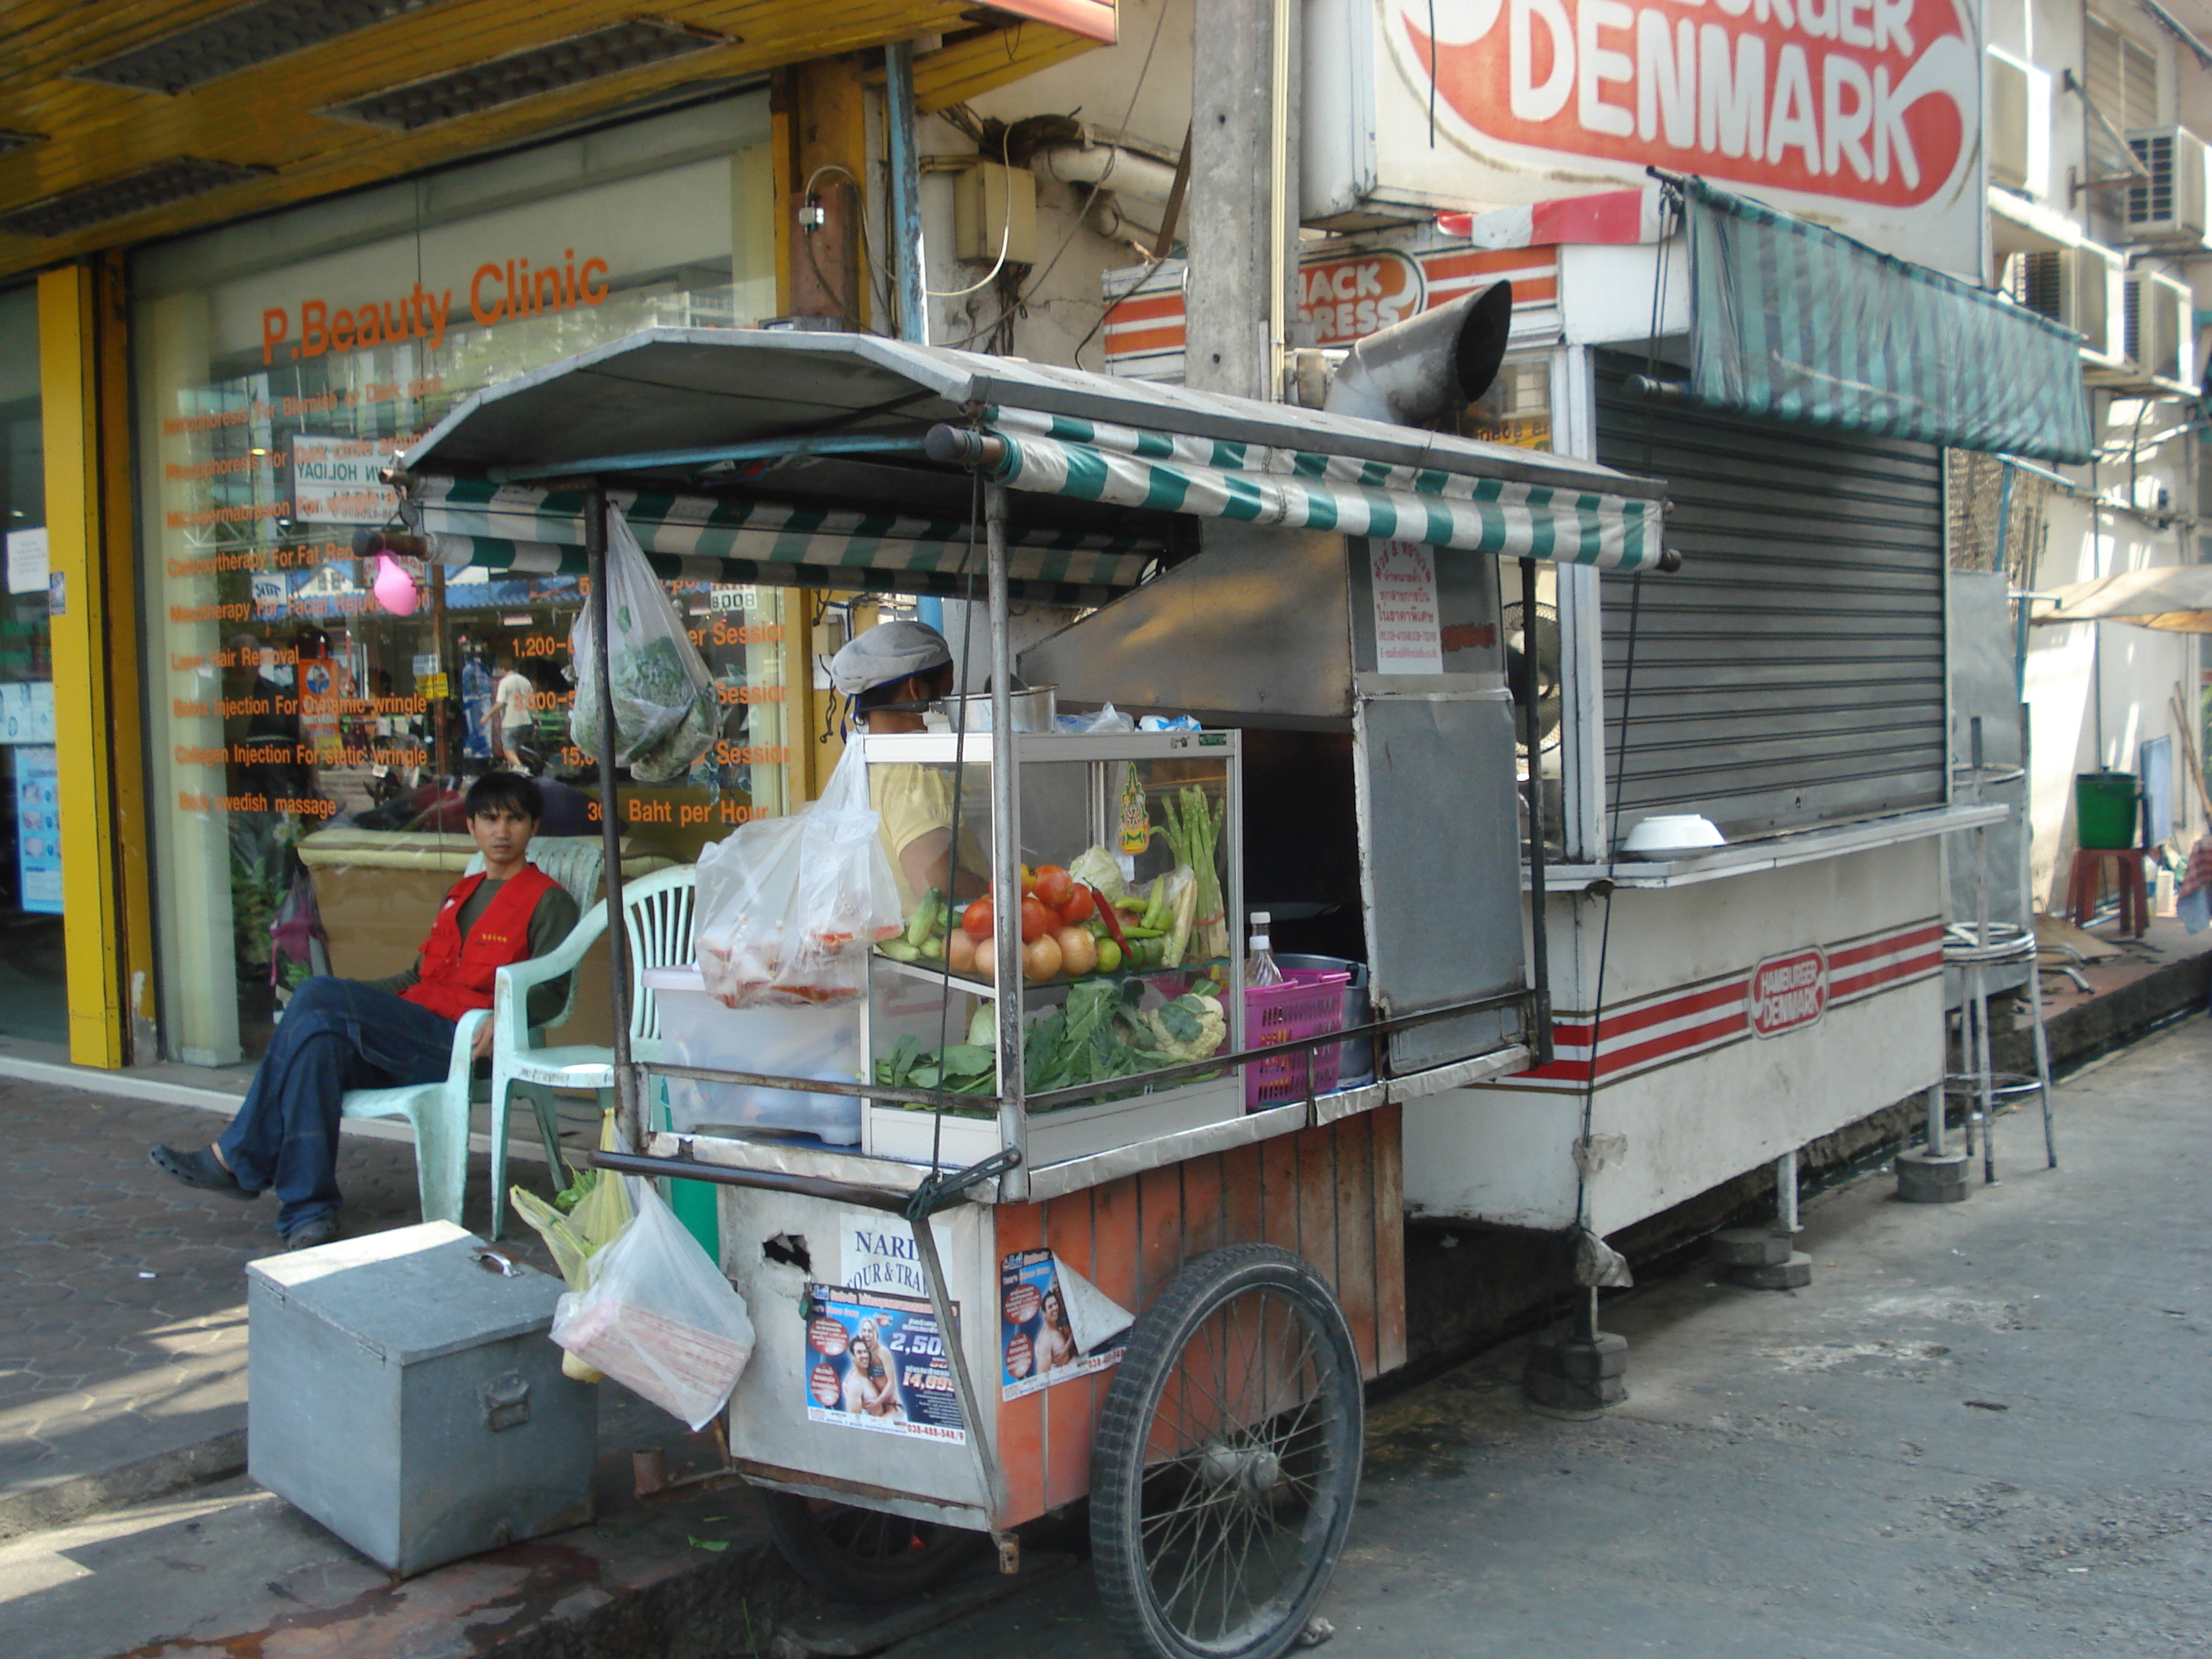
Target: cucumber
<point>899,951</point>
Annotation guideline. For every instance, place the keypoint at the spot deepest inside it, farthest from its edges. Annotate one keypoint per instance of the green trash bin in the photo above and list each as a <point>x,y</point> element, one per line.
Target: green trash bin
<point>2105,809</point>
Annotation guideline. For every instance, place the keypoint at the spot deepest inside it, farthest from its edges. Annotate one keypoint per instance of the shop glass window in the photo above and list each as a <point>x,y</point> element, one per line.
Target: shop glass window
<point>33,1002</point>
<point>314,717</point>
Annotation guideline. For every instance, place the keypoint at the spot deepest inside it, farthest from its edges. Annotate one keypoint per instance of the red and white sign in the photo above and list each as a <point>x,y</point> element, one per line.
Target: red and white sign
<point>1861,114</point>
<point>1347,294</point>
<point>1347,300</point>
<point>1788,993</point>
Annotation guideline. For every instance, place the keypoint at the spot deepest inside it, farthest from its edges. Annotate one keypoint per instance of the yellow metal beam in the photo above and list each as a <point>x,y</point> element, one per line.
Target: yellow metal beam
<point>92,677</point>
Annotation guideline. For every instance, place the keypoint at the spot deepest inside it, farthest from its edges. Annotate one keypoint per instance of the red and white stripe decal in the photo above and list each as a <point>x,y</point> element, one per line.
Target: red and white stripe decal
<point>1687,1021</point>
<point>1865,967</point>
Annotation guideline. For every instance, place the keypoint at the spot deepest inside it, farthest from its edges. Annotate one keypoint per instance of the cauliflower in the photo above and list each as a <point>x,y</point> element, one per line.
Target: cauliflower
<point>1097,867</point>
<point>1192,1027</point>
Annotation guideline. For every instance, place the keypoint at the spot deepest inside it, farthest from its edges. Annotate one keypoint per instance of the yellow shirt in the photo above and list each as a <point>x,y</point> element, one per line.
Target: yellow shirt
<point>914,801</point>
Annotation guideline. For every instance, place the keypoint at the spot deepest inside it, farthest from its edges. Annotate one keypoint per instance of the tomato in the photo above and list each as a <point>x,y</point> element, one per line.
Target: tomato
<point>976,919</point>
<point>1079,906</point>
<point>1054,885</point>
<point>1036,921</point>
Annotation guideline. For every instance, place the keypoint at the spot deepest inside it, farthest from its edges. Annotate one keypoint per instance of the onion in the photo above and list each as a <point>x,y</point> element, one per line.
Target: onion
<point>1078,951</point>
<point>1040,958</point>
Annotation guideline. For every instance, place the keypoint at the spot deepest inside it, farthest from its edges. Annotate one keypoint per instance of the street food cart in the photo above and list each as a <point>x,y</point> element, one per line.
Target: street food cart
<point>1159,1286</point>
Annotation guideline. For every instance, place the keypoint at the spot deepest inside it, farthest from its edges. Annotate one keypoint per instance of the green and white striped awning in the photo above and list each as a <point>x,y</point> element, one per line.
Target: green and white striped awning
<point>1799,322</point>
<point>721,434</point>
<point>1305,489</point>
<point>519,528</point>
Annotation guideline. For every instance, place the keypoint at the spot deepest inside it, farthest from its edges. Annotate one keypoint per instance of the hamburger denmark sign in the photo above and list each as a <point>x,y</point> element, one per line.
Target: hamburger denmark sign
<point>1861,114</point>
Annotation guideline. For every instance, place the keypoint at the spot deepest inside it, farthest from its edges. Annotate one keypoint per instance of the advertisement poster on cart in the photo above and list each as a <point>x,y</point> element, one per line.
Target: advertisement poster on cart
<point>1053,1324</point>
<point>877,1362</point>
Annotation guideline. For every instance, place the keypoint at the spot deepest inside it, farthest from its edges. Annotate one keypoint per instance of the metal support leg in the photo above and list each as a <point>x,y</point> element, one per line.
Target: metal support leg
<point>2041,1058</point>
<point>1936,1126</point>
<point>1785,1195</point>
<point>1985,1099</point>
<point>973,1415</point>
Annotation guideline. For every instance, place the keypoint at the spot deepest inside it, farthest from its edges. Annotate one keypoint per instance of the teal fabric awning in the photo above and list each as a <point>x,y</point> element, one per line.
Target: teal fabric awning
<point>1304,489</point>
<point>541,531</point>
<point>1800,323</point>
<point>812,459</point>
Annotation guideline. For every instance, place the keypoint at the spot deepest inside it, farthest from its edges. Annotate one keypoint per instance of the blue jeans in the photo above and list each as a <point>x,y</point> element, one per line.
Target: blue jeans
<point>336,1034</point>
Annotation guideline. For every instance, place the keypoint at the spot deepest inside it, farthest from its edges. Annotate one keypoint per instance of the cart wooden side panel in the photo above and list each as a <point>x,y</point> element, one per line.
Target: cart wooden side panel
<point>1331,1194</point>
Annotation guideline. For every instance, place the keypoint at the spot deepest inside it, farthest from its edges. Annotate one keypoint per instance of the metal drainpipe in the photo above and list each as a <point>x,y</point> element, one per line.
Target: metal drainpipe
<point>629,1123</point>
<point>1280,229</point>
<point>905,189</point>
<point>1005,855</point>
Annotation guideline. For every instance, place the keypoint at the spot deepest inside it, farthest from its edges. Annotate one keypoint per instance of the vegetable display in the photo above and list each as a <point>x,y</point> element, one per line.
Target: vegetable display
<point>1193,831</point>
<point>1097,1035</point>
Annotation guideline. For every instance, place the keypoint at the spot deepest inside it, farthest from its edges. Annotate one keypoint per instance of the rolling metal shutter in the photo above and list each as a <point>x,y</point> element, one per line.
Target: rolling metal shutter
<point>1791,674</point>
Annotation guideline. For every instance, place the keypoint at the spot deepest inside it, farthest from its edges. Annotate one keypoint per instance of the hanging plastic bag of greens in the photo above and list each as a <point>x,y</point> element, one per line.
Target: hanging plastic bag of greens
<point>666,714</point>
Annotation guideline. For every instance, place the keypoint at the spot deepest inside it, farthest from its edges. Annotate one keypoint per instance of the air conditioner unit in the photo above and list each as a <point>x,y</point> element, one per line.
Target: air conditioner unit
<point>2073,286</point>
<point>2157,314</point>
<point>2169,208</point>
<point>2019,125</point>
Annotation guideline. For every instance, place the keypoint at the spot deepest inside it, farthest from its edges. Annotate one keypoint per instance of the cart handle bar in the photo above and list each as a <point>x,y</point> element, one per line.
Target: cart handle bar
<point>936,1193</point>
<point>1059,1097</point>
<point>773,1180</point>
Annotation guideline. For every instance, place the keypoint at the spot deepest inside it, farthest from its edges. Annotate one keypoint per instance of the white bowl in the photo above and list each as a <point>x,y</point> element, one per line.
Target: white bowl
<point>1666,835</point>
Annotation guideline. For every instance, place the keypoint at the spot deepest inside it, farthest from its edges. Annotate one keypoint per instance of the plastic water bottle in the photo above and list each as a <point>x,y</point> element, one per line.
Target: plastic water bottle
<point>1260,965</point>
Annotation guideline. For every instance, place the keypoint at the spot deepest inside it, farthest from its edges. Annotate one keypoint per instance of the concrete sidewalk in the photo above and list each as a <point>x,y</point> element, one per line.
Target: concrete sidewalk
<point>122,1297</point>
<point>1982,1430</point>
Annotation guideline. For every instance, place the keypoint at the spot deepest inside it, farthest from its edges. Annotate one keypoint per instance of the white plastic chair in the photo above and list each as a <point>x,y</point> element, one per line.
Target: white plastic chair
<point>656,913</point>
<point>438,1112</point>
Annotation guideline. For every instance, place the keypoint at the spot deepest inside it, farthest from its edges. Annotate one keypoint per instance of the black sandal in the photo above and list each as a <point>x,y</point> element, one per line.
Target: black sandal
<point>198,1168</point>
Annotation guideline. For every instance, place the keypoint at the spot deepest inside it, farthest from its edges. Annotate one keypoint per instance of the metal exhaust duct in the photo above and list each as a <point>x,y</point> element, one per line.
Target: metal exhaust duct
<point>1430,365</point>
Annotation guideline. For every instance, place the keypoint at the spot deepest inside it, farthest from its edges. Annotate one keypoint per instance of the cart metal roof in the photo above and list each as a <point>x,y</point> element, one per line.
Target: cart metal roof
<point>800,458</point>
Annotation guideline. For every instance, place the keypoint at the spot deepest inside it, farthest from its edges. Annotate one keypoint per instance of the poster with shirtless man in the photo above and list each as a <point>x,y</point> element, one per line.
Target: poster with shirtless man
<point>877,1362</point>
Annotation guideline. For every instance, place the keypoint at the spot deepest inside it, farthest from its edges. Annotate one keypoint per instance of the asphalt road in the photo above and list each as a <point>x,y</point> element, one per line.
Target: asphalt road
<point>1982,1430</point>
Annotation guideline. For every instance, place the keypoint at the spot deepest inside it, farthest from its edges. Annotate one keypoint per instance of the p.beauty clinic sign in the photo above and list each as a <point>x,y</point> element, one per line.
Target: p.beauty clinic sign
<point>1864,115</point>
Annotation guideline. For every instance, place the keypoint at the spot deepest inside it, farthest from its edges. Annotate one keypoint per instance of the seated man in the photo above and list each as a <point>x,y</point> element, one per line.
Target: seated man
<point>341,1034</point>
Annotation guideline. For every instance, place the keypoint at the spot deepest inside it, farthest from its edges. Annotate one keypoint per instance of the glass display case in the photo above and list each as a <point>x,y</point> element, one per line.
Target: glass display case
<point>1133,950</point>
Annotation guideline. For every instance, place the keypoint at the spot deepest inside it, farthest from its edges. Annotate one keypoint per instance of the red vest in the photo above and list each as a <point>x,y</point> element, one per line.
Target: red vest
<point>456,974</point>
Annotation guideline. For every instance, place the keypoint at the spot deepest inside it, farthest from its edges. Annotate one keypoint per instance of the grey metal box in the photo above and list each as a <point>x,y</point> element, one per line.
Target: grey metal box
<point>405,1395</point>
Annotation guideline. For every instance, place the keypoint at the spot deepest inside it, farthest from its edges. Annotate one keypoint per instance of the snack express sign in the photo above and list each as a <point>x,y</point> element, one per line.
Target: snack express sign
<point>1863,114</point>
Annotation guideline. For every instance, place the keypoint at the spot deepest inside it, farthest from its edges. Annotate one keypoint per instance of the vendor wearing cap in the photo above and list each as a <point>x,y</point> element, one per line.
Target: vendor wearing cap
<point>891,674</point>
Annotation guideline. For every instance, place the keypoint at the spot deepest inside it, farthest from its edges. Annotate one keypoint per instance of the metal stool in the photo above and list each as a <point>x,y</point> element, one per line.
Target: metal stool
<point>1975,948</point>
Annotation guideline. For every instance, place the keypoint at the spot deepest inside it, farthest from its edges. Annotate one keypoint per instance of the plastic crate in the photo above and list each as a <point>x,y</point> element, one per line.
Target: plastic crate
<point>1308,1003</point>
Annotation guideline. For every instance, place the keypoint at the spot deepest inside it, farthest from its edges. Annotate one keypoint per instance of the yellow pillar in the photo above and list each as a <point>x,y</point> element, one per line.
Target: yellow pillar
<point>84,392</point>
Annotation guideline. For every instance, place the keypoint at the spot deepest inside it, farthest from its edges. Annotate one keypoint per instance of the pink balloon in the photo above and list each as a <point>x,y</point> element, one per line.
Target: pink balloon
<point>393,587</point>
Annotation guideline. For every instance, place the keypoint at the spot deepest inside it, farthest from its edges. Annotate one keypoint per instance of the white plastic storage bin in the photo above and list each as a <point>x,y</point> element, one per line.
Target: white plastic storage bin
<point>810,1042</point>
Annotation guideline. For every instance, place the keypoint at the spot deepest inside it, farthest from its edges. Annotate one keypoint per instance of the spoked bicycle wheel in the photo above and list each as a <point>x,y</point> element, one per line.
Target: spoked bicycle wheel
<point>865,1555</point>
<point>1226,1459</point>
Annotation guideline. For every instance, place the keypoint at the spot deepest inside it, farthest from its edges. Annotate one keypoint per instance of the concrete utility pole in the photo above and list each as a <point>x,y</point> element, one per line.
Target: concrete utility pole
<point>1239,298</point>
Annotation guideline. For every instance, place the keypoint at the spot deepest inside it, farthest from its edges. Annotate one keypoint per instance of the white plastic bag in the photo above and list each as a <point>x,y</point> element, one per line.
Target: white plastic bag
<point>665,711</point>
<point>658,1318</point>
<point>789,908</point>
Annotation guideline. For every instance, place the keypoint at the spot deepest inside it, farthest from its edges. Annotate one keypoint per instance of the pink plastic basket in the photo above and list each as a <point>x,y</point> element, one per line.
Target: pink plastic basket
<point>1309,1002</point>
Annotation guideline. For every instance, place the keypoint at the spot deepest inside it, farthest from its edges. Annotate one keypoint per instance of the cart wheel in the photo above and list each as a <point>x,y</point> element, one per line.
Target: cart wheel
<point>865,1555</point>
<point>1226,1459</point>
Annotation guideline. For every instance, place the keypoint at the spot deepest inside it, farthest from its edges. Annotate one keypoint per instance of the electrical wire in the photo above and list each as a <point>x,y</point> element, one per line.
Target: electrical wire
<point>1620,764</point>
<point>952,852</point>
<point>1006,228</point>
